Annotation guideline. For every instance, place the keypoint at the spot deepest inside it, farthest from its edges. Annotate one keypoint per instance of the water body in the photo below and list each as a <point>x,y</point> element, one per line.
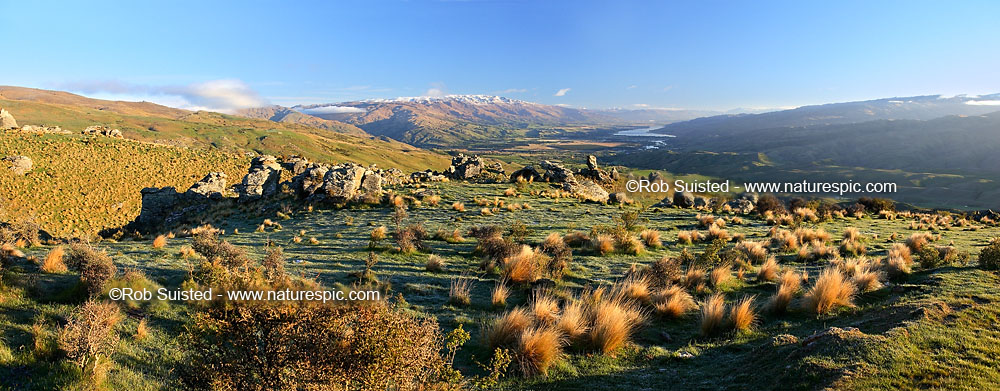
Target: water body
<point>643,132</point>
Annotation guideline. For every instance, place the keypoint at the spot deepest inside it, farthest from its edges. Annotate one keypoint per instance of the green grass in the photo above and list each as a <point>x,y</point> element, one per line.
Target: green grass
<point>905,342</point>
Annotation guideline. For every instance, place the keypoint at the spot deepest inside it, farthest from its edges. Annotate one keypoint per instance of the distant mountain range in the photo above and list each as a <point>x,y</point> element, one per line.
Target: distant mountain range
<point>913,108</point>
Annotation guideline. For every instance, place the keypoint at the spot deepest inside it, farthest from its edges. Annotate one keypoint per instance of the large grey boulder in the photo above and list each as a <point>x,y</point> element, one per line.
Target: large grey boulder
<point>555,172</point>
<point>587,190</point>
<point>20,165</point>
<point>371,186</point>
<point>100,130</point>
<point>741,206</point>
<point>312,179</point>
<point>262,180</point>
<point>7,120</point>
<point>157,204</point>
<point>342,183</point>
<point>683,199</point>
<point>465,167</point>
<point>213,186</point>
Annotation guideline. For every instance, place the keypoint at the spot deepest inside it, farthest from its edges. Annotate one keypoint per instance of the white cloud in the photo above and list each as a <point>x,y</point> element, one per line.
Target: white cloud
<point>983,102</point>
<point>562,92</point>
<point>333,110</point>
<point>632,87</point>
<point>641,105</point>
<point>513,91</point>
<point>435,92</point>
<point>223,95</point>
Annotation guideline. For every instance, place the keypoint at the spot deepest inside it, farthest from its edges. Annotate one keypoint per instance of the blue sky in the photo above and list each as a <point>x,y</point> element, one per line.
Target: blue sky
<point>692,54</point>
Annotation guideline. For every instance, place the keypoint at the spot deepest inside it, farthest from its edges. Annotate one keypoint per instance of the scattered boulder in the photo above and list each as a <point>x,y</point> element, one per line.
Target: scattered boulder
<point>311,180</point>
<point>394,177</point>
<point>683,199</point>
<point>343,182</point>
<point>7,120</point>
<point>741,206</point>
<point>784,339</point>
<point>657,176</point>
<point>528,174</point>
<point>465,167</point>
<point>752,197</point>
<point>594,172</point>
<point>620,198</point>
<point>296,165</point>
<point>587,190</point>
<point>43,129</point>
<point>495,168</point>
<point>101,130</point>
<point>262,180</point>
<point>20,165</point>
<point>371,186</point>
<point>555,172</point>
<point>213,186</point>
<point>427,176</point>
<point>701,202</point>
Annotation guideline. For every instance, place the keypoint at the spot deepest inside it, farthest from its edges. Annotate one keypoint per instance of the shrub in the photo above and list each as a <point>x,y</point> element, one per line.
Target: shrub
<point>269,347</point>
<point>742,315</point>
<point>95,267</point>
<point>989,256</point>
<point>651,238</point>
<point>53,262</point>
<point>555,247</point>
<point>411,239</point>
<point>876,205</point>
<point>614,321</point>
<point>713,312</point>
<point>832,290</point>
<point>89,337</point>
<point>537,349</point>
<point>209,246</point>
<point>665,271</point>
<point>769,203</point>
<point>434,264</point>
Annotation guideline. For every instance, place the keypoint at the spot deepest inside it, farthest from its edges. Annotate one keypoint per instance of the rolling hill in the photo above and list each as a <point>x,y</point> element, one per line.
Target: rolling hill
<point>144,121</point>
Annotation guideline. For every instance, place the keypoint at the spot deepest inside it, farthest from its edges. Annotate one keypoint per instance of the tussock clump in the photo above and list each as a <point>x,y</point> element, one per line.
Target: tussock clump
<point>899,250</point>
<point>784,240</point>
<point>411,239</point>
<point>636,288</point>
<point>214,250</point>
<point>742,315</point>
<point>806,235</point>
<point>788,286</point>
<point>817,250</point>
<point>537,349</point>
<point>602,244</point>
<point>160,241</point>
<point>715,232</point>
<point>688,237</point>
<point>705,221</point>
<point>720,275</point>
<point>378,234</point>
<point>713,313</point>
<point>576,239</point>
<point>614,322</point>
<point>459,292</point>
<point>651,238</point>
<point>524,267</point>
<point>434,264</point>
<point>544,308</point>
<point>505,330</point>
<point>867,279</point>
<point>897,268</point>
<point>806,214</point>
<point>632,246</point>
<point>753,252</point>
<point>573,320</point>
<point>832,290</point>
<point>500,294</point>
<point>53,262</point>
<point>852,242</point>
<point>673,302</point>
<point>917,241</point>
<point>694,277</point>
<point>768,271</point>
<point>452,236</point>
<point>458,207</point>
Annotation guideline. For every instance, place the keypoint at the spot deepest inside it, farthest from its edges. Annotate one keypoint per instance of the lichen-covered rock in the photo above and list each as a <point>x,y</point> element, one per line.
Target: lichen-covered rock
<point>394,177</point>
<point>20,165</point>
<point>100,130</point>
<point>262,180</point>
<point>296,165</point>
<point>595,173</point>
<point>555,172</point>
<point>683,199</point>
<point>465,167</point>
<point>371,186</point>
<point>157,204</point>
<point>587,190</point>
<point>311,180</point>
<point>343,182</point>
<point>528,174</point>
<point>7,120</point>
<point>427,176</point>
<point>620,198</point>
<point>213,186</point>
<point>741,206</point>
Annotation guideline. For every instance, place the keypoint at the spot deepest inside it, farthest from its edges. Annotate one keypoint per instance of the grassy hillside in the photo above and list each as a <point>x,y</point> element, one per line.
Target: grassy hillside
<point>80,185</point>
<point>154,123</point>
<point>931,328</point>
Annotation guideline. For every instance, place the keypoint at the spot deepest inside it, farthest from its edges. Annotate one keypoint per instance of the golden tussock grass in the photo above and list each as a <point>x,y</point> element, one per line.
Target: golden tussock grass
<point>831,290</point>
<point>537,349</point>
<point>673,302</point>
<point>458,207</point>
<point>602,244</point>
<point>544,308</point>
<point>753,252</point>
<point>505,330</point>
<point>434,264</point>
<point>720,275</point>
<point>651,238</point>
<point>614,321</point>
<point>713,313</point>
<point>788,286</point>
<point>573,320</point>
<point>54,262</point>
<point>160,242</point>
<point>141,330</point>
<point>632,246</point>
<point>716,232</point>
<point>768,271</point>
<point>459,293</point>
<point>742,315</point>
<point>636,288</point>
<point>523,267</point>
<point>694,277</point>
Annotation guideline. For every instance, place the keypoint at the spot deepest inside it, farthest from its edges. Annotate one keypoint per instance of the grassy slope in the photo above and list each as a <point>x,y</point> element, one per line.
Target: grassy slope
<point>229,133</point>
<point>934,348</point>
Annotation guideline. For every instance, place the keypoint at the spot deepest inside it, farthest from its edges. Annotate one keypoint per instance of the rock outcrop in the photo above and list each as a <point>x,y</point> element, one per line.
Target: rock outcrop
<point>465,167</point>
<point>7,120</point>
<point>587,190</point>
<point>595,173</point>
<point>213,186</point>
<point>528,174</point>
<point>262,180</point>
<point>20,165</point>
<point>683,199</point>
<point>100,130</point>
<point>555,172</point>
